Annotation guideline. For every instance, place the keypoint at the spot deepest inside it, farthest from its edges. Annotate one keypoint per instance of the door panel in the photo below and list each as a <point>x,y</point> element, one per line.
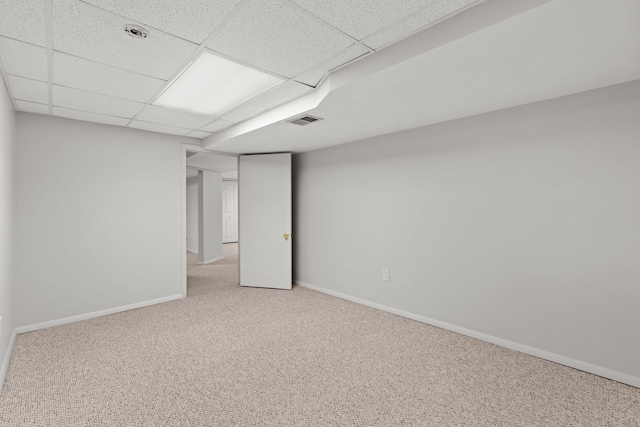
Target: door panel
<point>229,212</point>
<point>265,216</point>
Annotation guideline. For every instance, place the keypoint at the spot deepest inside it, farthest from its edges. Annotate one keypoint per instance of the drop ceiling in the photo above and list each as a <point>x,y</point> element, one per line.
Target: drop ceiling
<point>367,67</point>
<point>73,59</point>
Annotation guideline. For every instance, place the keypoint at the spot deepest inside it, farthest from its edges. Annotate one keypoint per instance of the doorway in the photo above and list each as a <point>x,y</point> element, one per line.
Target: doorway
<point>208,179</point>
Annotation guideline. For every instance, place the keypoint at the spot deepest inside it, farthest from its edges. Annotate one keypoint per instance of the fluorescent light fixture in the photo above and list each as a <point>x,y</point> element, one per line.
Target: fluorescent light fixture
<point>211,85</point>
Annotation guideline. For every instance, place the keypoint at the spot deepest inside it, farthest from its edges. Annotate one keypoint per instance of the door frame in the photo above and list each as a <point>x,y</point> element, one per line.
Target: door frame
<point>183,204</point>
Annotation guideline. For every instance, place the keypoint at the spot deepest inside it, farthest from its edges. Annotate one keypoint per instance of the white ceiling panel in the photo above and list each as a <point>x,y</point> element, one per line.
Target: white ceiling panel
<point>32,107</point>
<point>190,19</point>
<point>94,103</point>
<point>170,117</point>
<point>99,78</point>
<point>83,30</point>
<point>154,127</point>
<point>15,13</point>
<point>216,126</point>
<point>360,18</point>
<point>242,112</point>
<point>281,94</point>
<point>24,59</point>
<point>436,11</point>
<point>313,75</point>
<point>29,90</point>
<point>89,117</point>
<point>278,37</point>
<point>199,134</point>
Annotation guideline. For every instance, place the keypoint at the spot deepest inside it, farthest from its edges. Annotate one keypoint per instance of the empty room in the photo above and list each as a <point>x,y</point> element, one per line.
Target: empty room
<point>319,213</point>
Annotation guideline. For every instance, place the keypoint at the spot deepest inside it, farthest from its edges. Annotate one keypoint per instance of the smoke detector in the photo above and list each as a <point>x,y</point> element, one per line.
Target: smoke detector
<point>304,120</point>
<point>136,31</point>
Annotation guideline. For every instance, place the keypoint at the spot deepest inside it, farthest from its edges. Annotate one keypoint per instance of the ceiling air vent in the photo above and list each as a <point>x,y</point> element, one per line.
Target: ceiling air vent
<point>304,120</point>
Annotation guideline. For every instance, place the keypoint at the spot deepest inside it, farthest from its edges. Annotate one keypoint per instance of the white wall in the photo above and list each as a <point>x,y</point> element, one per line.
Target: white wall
<point>192,214</point>
<point>209,217</point>
<point>7,150</point>
<point>522,224</point>
<point>98,218</point>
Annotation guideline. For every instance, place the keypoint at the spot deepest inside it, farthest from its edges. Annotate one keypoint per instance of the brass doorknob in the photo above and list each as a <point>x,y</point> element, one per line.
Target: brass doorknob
<point>286,236</point>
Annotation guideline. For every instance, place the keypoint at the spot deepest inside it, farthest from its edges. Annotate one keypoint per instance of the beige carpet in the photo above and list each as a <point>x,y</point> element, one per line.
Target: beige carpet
<point>231,356</point>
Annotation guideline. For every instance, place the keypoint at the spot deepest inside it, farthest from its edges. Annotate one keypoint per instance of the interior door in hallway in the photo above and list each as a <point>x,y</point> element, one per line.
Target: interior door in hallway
<point>264,191</point>
<point>230,211</point>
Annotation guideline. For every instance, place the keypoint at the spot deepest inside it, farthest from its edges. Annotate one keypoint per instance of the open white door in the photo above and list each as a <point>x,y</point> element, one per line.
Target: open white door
<point>264,193</point>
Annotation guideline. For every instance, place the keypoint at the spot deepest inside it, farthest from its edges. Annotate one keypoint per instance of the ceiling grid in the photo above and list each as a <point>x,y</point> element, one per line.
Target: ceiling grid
<point>60,68</point>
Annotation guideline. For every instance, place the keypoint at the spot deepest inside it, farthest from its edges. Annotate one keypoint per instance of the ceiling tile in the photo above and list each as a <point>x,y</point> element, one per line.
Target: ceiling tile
<point>216,126</point>
<point>86,31</point>
<point>170,117</point>
<point>24,59</point>
<point>94,103</point>
<point>434,12</point>
<point>242,112</point>
<point>32,107</point>
<point>15,13</point>
<point>359,18</point>
<point>153,127</point>
<point>313,75</point>
<point>89,117</point>
<point>199,134</point>
<point>281,94</point>
<point>29,90</point>
<point>278,37</point>
<point>190,19</point>
<point>94,77</point>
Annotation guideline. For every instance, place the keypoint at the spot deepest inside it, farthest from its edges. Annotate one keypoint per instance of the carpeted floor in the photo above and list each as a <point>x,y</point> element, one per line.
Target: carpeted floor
<point>232,356</point>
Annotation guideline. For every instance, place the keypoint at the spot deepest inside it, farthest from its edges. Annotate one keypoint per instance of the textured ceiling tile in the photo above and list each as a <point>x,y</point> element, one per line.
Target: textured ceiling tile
<point>86,31</point>
<point>216,126</point>
<point>153,127</point>
<point>190,19</point>
<point>313,75</point>
<point>170,117</point>
<point>242,112</point>
<point>14,14</point>
<point>278,37</point>
<point>24,59</point>
<point>32,107</point>
<point>281,94</point>
<point>94,103</point>
<point>94,77</point>
<point>89,117</point>
<point>199,134</point>
<point>359,18</point>
<point>29,90</point>
<point>436,11</point>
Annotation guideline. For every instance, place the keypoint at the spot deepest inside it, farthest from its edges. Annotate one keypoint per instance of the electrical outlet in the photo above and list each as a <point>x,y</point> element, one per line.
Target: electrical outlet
<point>385,275</point>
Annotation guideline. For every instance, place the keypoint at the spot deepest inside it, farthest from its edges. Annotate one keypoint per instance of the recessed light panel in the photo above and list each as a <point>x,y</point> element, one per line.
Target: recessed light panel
<point>212,85</point>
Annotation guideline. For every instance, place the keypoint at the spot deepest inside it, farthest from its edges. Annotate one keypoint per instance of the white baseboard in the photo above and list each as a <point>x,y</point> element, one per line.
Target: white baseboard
<point>7,359</point>
<point>64,321</point>
<point>210,261</point>
<point>192,251</point>
<point>556,358</point>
